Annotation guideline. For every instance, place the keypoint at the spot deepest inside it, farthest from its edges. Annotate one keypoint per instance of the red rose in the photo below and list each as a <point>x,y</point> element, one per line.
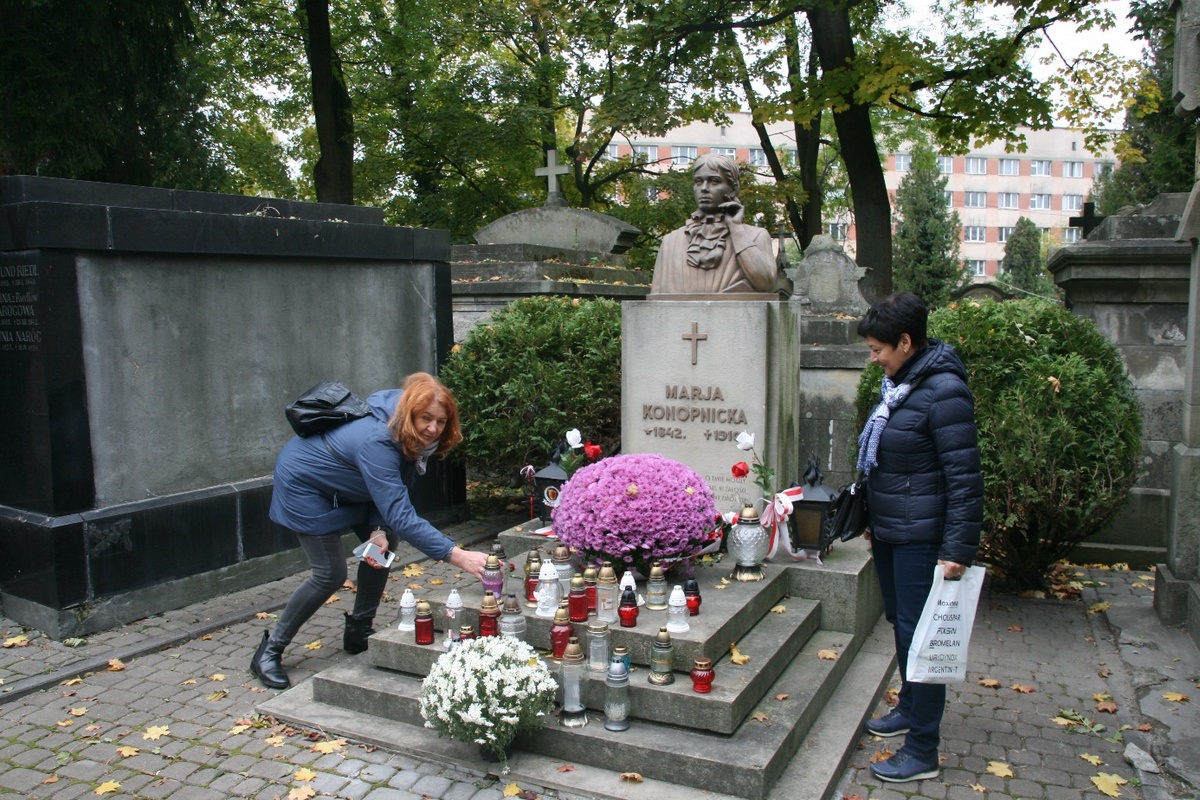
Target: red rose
<point>592,451</point>
<point>741,469</point>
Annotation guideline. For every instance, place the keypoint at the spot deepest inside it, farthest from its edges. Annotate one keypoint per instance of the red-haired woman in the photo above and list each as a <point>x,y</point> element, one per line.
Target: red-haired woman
<point>357,476</point>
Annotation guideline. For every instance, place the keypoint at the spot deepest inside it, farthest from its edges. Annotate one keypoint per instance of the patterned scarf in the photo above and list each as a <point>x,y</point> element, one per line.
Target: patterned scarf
<point>706,235</point>
<point>868,440</point>
<point>423,458</point>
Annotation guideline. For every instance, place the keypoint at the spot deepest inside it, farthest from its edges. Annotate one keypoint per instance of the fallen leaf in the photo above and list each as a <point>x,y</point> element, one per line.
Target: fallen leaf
<point>566,768</point>
<point>1096,608</point>
<point>236,729</point>
<point>304,774</point>
<point>990,683</point>
<point>1095,761</point>
<point>216,676</point>
<point>1145,726</point>
<point>1100,697</point>
<point>78,712</point>
<point>206,637</point>
<point>65,723</point>
<point>827,655</point>
<point>852,797</point>
<point>1108,707</point>
<point>632,777</point>
<point>416,587</point>
<point>188,682</point>
<point>72,682</point>
<point>781,697</point>
<point>736,656</point>
<point>314,645</point>
<point>979,788</point>
<point>1109,784</point>
<point>115,665</point>
<point>436,582</point>
<point>156,732</point>
<point>1063,721</point>
<point>91,728</point>
<point>883,754</point>
<point>126,751</point>
<point>264,615</point>
<point>1175,697</point>
<point>333,598</point>
<point>301,793</point>
<point>1137,585</point>
<point>1023,689</point>
<point>108,787</point>
<point>760,717</point>
<point>999,769</point>
<point>219,694</point>
<point>511,790</point>
<point>719,586</point>
<point>412,571</point>
<point>1016,628</point>
<point>20,640</point>
<point>329,746</point>
<point>778,609</point>
<point>51,778</point>
<point>1104,673</point>
<point>275,741</point>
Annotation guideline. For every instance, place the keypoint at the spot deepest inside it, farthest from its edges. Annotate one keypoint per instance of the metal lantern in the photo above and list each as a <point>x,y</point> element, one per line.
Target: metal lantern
<point>748,546</point>
<point>808,526</point>
<point>547,486</point>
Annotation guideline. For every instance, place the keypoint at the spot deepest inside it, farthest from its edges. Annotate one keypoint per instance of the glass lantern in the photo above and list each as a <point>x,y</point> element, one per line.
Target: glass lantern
<point>748,543</point>
<point>574,714</point>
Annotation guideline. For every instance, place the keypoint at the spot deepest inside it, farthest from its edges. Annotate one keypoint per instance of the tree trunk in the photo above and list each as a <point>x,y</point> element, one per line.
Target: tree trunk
<point>333,173</point>
<point>833,41</point>
<point>808,141</point>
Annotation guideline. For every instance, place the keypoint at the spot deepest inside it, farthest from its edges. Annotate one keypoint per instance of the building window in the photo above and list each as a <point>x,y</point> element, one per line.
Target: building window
<point>976,165</point>
<point>949,198</point>
<point>976,200</point>
<point>839,230</point>
<point>945,164</point>
<point>1039,167</point>
<point>609,153</point>
<point>682,155</point>
<point>1102,168</point>
<point>1072,169</point>
<point>1039,202</point>
<point>645,152</point>
<point>975,233</point>
<point>1009,200</point>
<point>758,157</point>
<point>1070,235</point>
<point>903,162</point>
<point>1072,202</point>
<point>1005,232</point>
<point>725,151</point>
<point>977,267</point>
<point>1010,166</point>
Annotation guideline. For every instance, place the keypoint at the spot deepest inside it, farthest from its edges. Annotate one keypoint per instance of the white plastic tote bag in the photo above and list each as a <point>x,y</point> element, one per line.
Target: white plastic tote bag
<point>938,653</point>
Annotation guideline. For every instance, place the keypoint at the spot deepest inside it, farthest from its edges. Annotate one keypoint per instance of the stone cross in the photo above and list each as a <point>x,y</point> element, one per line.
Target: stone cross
<point>554,195</point>
<point>696,338</point>
<point>1088,222</point>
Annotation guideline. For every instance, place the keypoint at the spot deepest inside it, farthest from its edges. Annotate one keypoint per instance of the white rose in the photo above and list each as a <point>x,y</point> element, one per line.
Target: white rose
<point>745,440</point>
<point>574,438</point>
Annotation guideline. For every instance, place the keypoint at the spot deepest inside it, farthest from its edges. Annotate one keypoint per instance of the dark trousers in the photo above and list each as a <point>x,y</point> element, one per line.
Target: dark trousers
<point>906,576</point>
<point>328,562</point>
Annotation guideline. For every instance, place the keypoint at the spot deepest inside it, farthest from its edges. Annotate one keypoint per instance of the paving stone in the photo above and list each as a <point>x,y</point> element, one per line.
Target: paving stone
<point>490,793</point>
<point>433,786</point>
<point>20,779</point>
<point>387,793</point>
<point>404,779</point>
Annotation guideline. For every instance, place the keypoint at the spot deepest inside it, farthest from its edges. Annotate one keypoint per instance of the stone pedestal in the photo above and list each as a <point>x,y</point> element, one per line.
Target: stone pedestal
<point>696,373</point>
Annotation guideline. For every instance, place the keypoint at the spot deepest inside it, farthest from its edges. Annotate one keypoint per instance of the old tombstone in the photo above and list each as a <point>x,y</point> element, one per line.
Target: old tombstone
<point>830,278</point>
<point>156,336</point>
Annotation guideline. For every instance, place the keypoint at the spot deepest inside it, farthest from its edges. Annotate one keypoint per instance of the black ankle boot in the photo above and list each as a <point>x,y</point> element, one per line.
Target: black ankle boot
<point>354,640</point>
<point>267,664</point>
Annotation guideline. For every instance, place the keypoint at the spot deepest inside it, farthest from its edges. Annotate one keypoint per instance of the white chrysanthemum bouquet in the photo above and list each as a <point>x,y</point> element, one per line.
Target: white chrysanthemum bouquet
<point>488,691</point>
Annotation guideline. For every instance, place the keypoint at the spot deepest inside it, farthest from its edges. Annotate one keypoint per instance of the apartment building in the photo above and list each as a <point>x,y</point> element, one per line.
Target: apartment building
<point>989,188</point>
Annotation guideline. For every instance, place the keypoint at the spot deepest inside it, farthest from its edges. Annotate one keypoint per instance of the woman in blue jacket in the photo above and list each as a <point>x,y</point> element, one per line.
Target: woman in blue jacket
<point>925,495</point>
<point>357,476</point>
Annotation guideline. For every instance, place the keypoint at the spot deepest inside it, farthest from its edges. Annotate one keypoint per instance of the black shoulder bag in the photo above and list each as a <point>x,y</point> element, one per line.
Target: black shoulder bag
<point>323,407</point>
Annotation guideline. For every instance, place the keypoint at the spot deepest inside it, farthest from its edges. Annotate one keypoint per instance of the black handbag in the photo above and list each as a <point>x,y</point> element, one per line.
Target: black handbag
<point>847,515</point>
<point>326,405</point>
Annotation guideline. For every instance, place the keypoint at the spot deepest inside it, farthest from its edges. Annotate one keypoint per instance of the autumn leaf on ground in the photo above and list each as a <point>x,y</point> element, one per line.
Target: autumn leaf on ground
<point>436,582</point>
<point>304,774</point>
<point>206,637</point>
<point>416,587</point>
<point>632,777</point>
<point>264,615</point>
<point>65,723</point>
<point>782,696</point>
<point>882,754</point>
<point>1096,608</point>
<point>115,665</point>
<point>156,732</point>
<point>827,655</point>
<point>990,683</point>
<point>719,586</point>
<point>778,609</point>
<point>236,729</point>
<point>566,768</point>
<point>736,656</point>
<point>216,676</point>
<point>1137,585</point>
<point>1095,761</point>
<point>188,682</point>
<point>275,741</point>
<point>72,682</point>
<point>979,788</point>
<point>412,571</point>
<point>52,778</point>
<point>1108,707</point>
<point>108,787</point>
<point>999,769</point>
<point>329,746</point>
<point>219,694</point>
<point>511,790</point>
<point>301,793</point>
<point>314,645</point>
<point>1101,697</point>
<point>78,712</point>
<point>126,751</point>
<point>333,598</point>
<point>20,640</point>
<point>1109,784</point>
<point>1023,689</point>
<point>1145,726</point>
<point>760,717</point>
<point>1016,628</point>
<point>1175,697</point>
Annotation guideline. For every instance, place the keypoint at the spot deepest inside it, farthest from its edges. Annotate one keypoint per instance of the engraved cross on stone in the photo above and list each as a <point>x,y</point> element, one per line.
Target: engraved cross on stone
<point>696,338</point>
<point>554,195</point>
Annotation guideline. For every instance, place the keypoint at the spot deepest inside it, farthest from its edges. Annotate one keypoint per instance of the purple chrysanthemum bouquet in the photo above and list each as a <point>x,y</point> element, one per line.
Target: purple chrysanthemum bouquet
<point>636,509</point>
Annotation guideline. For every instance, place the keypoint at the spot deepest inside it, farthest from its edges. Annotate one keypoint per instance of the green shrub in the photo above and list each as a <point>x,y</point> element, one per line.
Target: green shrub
<point>1059,428</point>
<point>541,366</point>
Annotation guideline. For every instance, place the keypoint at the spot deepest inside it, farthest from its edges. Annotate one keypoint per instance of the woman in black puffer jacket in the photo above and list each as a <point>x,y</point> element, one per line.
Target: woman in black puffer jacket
<point>925,492</point>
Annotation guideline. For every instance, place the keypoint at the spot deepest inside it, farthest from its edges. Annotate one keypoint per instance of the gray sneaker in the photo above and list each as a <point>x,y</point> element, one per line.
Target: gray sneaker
<point>905,767</point>
<point>892,723</point>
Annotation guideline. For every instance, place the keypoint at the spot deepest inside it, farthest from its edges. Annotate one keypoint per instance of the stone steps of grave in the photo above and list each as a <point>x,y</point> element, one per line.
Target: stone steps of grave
<point>745,764</point>
<point>771,644</point>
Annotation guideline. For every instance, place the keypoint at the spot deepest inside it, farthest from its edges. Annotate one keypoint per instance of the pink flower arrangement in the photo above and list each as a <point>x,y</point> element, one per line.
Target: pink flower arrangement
<point>635,509</point>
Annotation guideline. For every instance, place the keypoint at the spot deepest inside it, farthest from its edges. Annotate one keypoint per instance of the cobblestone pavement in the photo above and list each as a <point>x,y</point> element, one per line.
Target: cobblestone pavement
<point>174,717</point>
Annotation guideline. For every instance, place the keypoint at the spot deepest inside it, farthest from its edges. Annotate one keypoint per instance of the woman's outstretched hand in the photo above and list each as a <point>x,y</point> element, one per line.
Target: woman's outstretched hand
<point>471,561</point>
